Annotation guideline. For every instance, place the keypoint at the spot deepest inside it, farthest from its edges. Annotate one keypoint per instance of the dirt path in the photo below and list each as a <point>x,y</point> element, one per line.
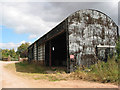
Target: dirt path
<point>10,80</point>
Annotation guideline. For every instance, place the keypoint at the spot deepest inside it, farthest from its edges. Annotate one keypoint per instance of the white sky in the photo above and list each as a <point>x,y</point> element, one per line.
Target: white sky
<point>37,17</point>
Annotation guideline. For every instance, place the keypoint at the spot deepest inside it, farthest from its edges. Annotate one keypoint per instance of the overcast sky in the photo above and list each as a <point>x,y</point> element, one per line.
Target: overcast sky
<point>27,21</point>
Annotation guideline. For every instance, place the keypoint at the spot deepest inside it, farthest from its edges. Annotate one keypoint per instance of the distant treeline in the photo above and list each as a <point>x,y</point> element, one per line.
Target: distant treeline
<point>21,51</point>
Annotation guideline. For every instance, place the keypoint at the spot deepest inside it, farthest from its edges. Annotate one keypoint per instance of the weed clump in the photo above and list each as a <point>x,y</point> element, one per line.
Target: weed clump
<point>102,72</point>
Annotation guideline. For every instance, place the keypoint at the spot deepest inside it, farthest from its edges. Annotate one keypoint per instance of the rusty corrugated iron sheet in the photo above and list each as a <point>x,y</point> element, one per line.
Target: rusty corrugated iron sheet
<point>87,29</point>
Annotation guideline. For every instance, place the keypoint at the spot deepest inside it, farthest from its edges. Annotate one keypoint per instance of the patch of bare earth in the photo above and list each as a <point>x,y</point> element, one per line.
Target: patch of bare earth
<point>12,80</point>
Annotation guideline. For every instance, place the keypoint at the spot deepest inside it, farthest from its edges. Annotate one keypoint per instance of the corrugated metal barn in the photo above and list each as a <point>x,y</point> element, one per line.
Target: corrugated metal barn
<point>81,39</point>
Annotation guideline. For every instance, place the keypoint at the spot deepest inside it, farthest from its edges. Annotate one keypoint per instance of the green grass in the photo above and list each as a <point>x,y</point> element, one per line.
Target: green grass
<point>36,68</point>
<point>29,68</point>
<point>101,72</point>
<point>37,72</point>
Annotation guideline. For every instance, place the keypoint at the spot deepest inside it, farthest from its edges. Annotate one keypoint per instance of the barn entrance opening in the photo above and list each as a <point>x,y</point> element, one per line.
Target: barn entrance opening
<point>59,50</point>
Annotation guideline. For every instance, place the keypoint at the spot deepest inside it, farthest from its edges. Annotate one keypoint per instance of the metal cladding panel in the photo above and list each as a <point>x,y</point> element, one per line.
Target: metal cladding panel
<point>35,52</point>
<point>87,29</point>
<point>41,52</point>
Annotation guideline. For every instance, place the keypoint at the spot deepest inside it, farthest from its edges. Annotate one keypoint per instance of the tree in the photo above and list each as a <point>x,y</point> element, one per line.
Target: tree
<point>22,50</point>
<point>12,53</point>
<point>5,52</point>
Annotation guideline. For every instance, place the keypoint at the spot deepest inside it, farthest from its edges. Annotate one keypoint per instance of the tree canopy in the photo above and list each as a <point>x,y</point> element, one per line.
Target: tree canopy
<point>22,50</point>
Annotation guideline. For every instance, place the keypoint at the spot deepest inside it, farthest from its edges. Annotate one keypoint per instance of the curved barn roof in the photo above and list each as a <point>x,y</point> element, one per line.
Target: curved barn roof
<point>84,11</point>
<point>92,11</point>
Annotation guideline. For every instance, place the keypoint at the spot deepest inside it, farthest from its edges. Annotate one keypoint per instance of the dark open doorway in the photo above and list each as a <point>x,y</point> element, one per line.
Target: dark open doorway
<point>59,50</point>
<point>56,51</point>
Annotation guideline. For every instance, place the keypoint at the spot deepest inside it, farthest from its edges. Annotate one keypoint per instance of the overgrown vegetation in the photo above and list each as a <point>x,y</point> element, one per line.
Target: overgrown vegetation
<point>101,72</point>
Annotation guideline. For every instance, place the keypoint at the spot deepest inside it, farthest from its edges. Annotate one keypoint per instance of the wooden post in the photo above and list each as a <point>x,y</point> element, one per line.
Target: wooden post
<point>50,53</point>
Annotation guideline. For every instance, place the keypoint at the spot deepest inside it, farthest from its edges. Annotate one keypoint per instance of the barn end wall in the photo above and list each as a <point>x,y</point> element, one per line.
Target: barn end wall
<point>87,29</point>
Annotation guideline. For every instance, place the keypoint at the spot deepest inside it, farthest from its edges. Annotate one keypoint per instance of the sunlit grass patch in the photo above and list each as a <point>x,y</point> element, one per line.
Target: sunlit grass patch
<point>37,72</point>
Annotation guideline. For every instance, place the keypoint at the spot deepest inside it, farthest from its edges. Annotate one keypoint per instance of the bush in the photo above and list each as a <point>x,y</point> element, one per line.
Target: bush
<point>102,72</point>
<point>107,72</point>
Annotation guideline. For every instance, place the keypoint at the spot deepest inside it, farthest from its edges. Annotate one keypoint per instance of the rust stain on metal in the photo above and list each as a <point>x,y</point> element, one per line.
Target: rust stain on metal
<point>87,29</point>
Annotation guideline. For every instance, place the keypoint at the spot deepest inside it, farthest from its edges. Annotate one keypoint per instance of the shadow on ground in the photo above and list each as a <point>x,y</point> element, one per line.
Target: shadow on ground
<point>36,68</point>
